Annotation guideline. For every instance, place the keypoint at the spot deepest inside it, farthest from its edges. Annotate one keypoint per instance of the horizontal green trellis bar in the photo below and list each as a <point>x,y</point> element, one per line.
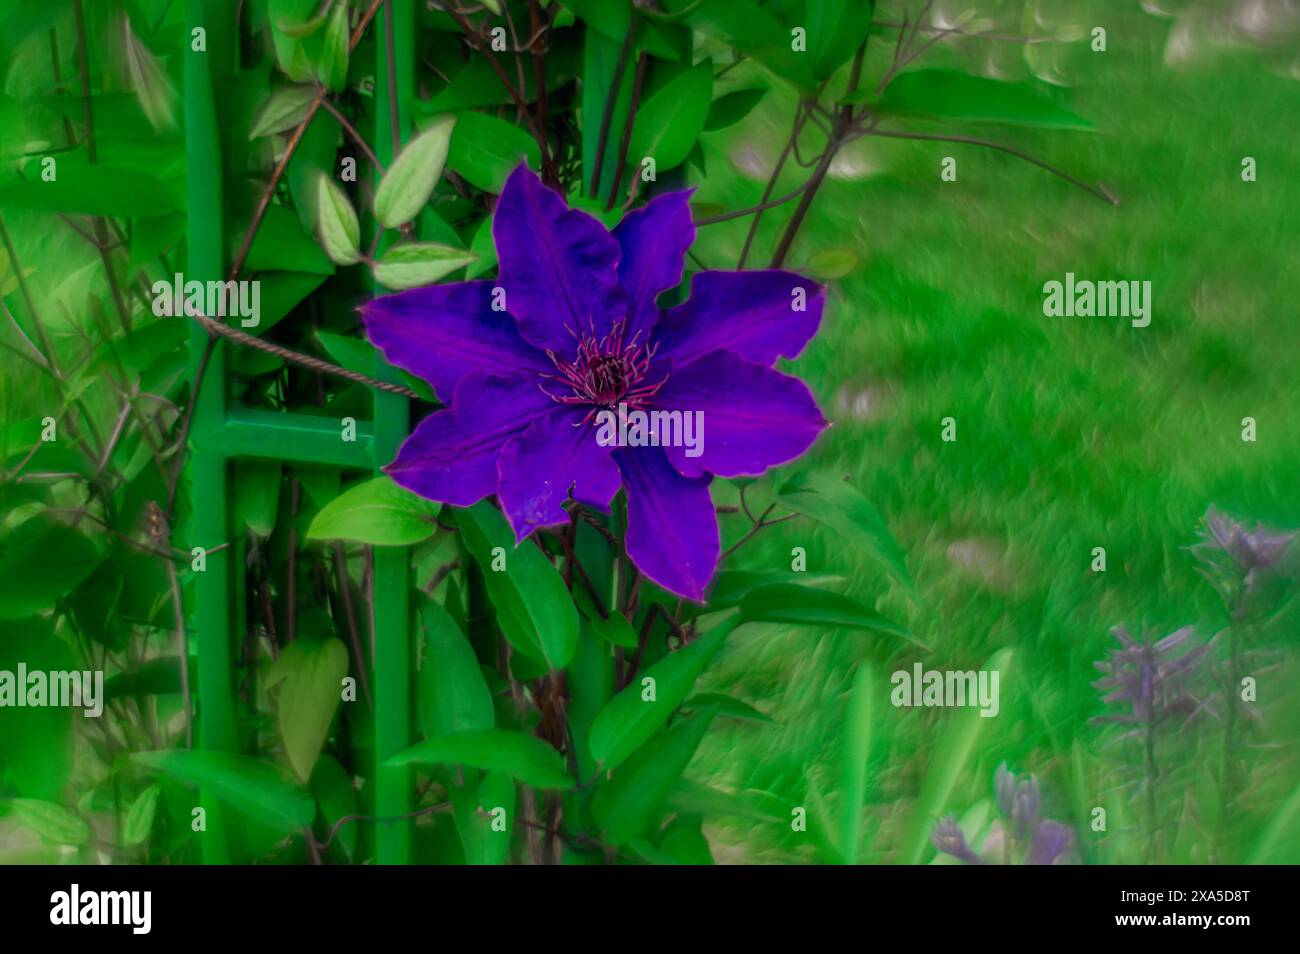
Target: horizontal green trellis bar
<point>300,438</point>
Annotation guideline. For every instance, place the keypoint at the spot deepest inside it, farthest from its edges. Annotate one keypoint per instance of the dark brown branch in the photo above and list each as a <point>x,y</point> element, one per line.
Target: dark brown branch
<point>355,136</point>
<point>761,207</point>
<point>1099,191</point>
<point>641,62</point>
<point>476,40</point>
<point>535,17</point>
<point>800,117</point>
<point>607,117</point>
<point>354,635</point>
<point>805,202</point>
<point>290,148</point>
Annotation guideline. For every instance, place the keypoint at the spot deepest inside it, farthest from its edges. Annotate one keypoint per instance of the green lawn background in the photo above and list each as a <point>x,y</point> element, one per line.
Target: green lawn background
<point>1072,433</point>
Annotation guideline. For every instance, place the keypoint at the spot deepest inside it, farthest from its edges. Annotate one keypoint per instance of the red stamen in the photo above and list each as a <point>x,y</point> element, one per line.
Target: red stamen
<point>605,372</point>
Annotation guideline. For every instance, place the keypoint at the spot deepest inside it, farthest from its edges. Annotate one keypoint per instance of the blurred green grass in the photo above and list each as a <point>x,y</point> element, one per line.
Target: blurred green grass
<point>1072,433</point>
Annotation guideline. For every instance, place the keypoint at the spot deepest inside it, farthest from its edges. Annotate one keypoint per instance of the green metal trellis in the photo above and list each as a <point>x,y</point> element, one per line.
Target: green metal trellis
<point>223,431</point>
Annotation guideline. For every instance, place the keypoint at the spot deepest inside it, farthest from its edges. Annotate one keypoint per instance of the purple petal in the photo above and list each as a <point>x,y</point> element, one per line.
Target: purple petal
<point>452,456</point>
<point>1174,639</point>
<point>559,266</point>
<point>537,468</point>
<point>653,241</point>
<point>443,332</point>
<point>754,314</point>
<point>1049,842</point>
<point>672,529</point>
<point>754,417</point>
<point>948,838</point>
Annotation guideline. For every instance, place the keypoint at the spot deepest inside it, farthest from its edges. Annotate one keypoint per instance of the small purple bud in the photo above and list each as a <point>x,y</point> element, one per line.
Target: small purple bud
<point>1004,789</point>
<point>1024,814</point>
<point>949,839</point>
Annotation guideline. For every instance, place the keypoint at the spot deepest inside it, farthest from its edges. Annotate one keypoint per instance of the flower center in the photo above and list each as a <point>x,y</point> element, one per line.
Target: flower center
<point>605,372</point>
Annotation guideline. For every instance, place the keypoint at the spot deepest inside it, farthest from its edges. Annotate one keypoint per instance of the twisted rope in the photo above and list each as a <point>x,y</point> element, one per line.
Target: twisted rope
<point>304,360</point>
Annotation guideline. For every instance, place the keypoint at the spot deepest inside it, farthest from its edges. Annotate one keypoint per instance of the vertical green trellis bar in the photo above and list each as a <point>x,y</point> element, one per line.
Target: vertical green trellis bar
<point>206,70</point>
<point>393,650</point>
<point>221,432</point>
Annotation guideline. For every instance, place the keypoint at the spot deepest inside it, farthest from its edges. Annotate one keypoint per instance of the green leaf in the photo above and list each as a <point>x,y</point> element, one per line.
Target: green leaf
<point>589,681</point>
<point>615,629</point>
<point>149,80</point>
<point>614,20</point>
<point>40,562</point>
<point>38,745</point>
<point>336,795</point>
<point>150,238</point>
<point>286,108</point>
<point>453,694</point>
<point>282,292</point>
<point>829,264</point>
<point>682,843</point>
<point>690,797</point>
<point>1279,841</point>
<point>418,263</point>
<point>949,95</point>
<point>253,786</point>
<point>317,154</point>
<point>139,817</point>
<point>477,86</point>
<point>51,821</point>
<point>415,172</point>
<point>483,249</point>
<point>300,31</point>
<point>377,512</point>
<point>311,669</point>
<point>472,806</point>
<point>836,28</point>
<point>947,761</point>
<point>485,150</point>
<point>857,750</point>
<point>282,245</point>
<point>753,30</point>
<point>340,233</point>
<point>669,122</point>
<point>295,34</point>
<point>792,604</point>
<point>93,190</point>
<point>157,677</point>
<point>840,507</point>
<point>732,108</point>
<point>332,64</point>
<point>530,597</point>
<point>355,354</point>
<point>626,804</point>
<point>627,722</point>
<point>728,706</point>
<point>257,494</point>
<point>517,754</point>
<point>730,586</point>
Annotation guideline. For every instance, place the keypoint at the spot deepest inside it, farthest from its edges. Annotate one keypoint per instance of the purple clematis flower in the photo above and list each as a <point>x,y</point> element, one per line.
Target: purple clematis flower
<point>526,365</point>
